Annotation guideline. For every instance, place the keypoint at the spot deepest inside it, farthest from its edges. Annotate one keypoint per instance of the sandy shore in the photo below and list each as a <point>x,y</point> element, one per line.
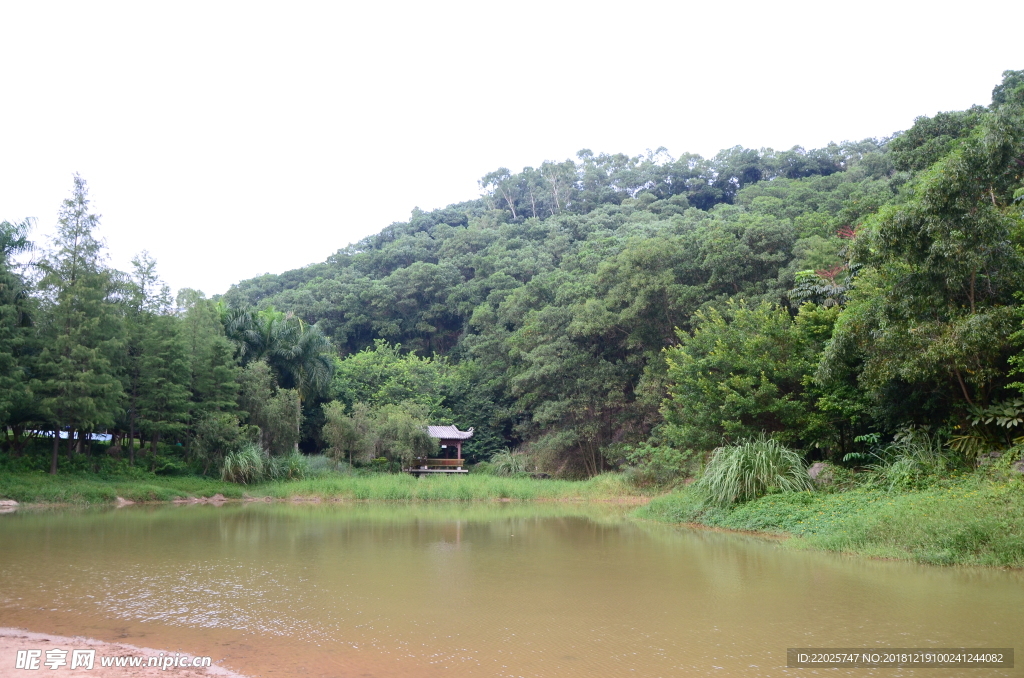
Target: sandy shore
<point>12,640</point>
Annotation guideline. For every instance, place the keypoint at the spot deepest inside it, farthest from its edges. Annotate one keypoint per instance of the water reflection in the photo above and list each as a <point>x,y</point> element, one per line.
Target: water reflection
<point>477,590</point>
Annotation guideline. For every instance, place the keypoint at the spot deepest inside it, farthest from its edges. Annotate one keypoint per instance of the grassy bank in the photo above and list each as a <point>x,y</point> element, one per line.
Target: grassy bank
<point>38,488</point>
<point>967,521</point>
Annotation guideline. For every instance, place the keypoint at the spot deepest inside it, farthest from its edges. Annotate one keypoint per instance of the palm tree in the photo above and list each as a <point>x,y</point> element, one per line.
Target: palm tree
<point>299,353</point>
<point>301,357</point>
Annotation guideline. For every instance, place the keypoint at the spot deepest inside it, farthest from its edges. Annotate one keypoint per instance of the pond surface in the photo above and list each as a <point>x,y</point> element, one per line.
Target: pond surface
<point>478,590</point>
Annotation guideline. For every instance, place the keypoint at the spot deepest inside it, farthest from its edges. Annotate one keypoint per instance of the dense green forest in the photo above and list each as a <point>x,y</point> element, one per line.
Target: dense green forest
<point>607,312</point>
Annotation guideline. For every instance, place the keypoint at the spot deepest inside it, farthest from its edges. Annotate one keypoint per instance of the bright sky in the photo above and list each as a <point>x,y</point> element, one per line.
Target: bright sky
<point>230,139</point>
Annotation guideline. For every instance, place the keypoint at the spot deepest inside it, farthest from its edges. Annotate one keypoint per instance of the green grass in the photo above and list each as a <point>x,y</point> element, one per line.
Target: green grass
<point>970,521</point>
<point>468,487</point>
<point>39,488</point>
<point>90,489</point>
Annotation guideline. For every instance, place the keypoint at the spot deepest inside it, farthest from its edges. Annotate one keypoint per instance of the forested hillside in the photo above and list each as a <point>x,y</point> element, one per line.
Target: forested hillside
<point>595,313</point>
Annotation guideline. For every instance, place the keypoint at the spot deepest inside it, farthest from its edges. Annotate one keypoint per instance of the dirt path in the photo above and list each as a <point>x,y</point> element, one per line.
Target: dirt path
<point>13,640</point>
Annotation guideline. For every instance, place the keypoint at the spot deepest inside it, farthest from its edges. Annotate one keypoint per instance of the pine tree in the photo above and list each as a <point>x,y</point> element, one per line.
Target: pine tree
<point>15,322</point>
<point>213,376</point>
<point>81,330</point>
<point>163,401</point>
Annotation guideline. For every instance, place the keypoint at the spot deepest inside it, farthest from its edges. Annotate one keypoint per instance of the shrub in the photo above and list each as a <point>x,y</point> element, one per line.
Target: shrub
<point>651,466</point>
<point>322,465</point>
<point>752,468</point>
<point>908,463</point>
<point>483,467</point>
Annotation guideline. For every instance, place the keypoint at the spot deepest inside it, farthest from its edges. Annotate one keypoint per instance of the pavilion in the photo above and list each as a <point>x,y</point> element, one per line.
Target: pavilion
<point>449,460</point>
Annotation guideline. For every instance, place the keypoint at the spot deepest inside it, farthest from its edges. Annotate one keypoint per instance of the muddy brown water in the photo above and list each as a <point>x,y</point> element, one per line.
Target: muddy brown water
<point>478,590</point>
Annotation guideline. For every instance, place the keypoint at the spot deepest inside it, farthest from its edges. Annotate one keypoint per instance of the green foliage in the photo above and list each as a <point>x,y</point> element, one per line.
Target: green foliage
<point>78,385</point>
<point>215,435</point>
<point>399,433</point>
<point>246,466</point>
<point>932,138</point>
<point>299,356</point>
<point>251,464</point>
<point>274,410</point>
<point>212,379</point>
<point>743,370</point>
<point>465,487</point>
<point>540,315</point>
<point>909,461</point>
<point>321,465</point>
<point>656,466</point>
<point>932,321</point>
<point>384,375</point>
<point>31,488</point>
<point>396,433</point>
<point>343,434</point>
<point>15,326</point>
<point>750,469</point>
<point>508,463</point>
<point>966,521</point>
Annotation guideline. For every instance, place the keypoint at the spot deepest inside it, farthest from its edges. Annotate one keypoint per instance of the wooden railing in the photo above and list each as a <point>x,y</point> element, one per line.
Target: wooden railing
<point>432,463</point>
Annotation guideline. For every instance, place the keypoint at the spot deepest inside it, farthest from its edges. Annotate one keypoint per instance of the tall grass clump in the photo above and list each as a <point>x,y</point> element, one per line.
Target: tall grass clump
<point>913,460</point>
<point>750,469</point>
<point>251,464</point>
<point>245,466</point>
<point>508,463</point>
<point>292,466</point>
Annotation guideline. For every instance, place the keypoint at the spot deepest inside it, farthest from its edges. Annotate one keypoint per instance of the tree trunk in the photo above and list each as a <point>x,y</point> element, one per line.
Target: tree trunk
<point>963,386</point>
<point>16,443</point>
<point>154,439</point>
<point>56,451</point>
<point>298,421</point>
<point>131,439</point>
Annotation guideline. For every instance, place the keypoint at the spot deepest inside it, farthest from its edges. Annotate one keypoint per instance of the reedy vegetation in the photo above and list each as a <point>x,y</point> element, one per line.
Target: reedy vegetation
<point>750,469</point>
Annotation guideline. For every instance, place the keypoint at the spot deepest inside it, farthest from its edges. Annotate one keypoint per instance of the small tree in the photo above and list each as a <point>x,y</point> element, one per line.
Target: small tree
<point>397,432</point>
<point>341,432</point>
<point>275,411</point>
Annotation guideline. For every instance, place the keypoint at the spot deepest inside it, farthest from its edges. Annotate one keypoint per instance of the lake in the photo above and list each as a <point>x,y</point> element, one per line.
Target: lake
<point>503,589</point>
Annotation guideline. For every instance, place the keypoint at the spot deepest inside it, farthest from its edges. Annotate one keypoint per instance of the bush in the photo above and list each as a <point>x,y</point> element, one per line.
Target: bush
<point>383,465</point>
<point>322,465</point>
<point>483,467</point>
<point>752,468</point>
<point>913,460</point>
<point>651,466</point>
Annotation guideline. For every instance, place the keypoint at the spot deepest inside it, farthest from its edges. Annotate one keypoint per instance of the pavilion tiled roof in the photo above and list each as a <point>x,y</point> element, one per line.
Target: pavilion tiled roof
<point>449,433</point>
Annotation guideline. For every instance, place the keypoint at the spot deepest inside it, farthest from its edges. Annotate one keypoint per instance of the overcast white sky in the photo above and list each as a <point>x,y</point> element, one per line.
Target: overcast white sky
<point>232,139</point>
